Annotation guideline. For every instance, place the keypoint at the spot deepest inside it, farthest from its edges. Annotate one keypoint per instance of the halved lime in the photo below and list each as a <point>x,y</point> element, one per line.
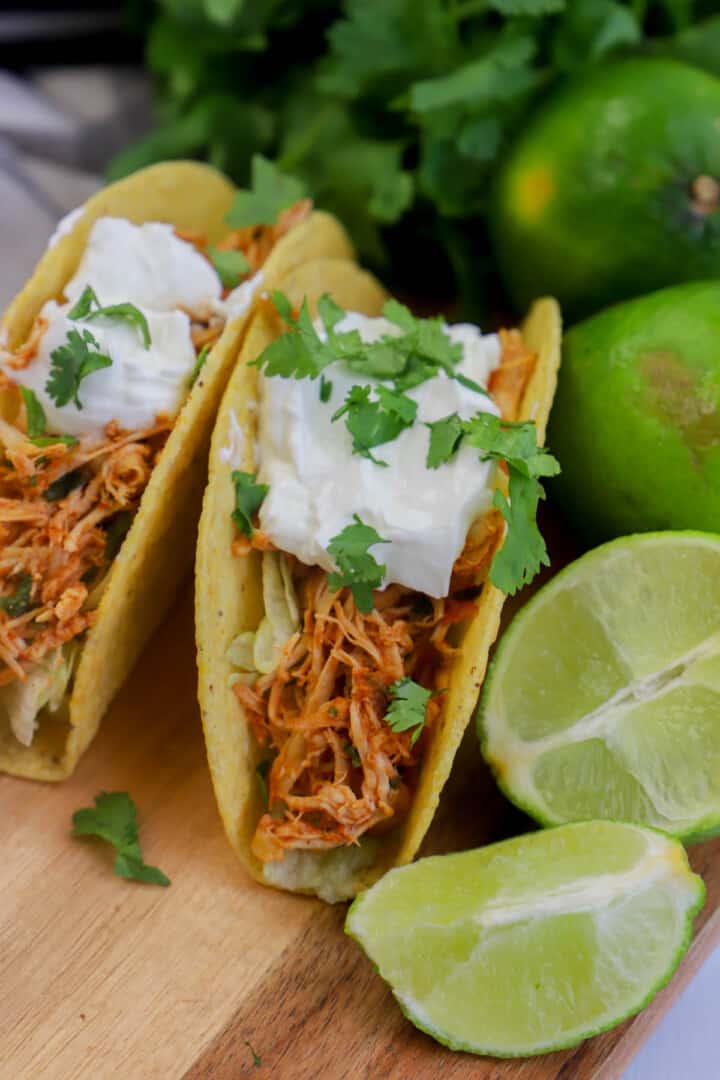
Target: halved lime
<point>535,943</point>
<point>603,700</point>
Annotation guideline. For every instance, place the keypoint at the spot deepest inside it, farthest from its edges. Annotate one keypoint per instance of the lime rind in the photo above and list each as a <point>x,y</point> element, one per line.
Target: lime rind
<point>694,899</point>
<point>524,795</point>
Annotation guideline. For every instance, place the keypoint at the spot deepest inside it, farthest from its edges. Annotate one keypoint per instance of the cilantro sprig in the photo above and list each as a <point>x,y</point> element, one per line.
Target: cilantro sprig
<point>18,602</point>
<point>249,497</point>
<point>88,307</point>
<point>270,192</point>
<point>523,551</point>
<point>408,707</point>
<point>114,819</point>
<point>375,422</point>
<point>37,422</point>
<point>71,363</point>
<point>230,266</point>
<point>357,569</point>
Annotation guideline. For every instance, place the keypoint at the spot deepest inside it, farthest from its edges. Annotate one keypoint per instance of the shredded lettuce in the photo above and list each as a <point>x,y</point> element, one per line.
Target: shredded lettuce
<point>45,687</point>
<point>257,652</point>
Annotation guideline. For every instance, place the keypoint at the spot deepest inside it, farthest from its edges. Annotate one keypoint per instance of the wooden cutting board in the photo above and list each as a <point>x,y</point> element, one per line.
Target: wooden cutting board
<point>101,977</point>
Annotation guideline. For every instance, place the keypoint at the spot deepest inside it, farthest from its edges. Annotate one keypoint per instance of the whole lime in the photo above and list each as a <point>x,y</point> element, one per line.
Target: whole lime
<point>636,419</point>
<point>613,189</point>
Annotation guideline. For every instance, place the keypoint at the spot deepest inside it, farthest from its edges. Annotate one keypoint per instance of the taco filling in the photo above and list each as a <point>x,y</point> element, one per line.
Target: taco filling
<point>86,406</point>
<point>394,478</point>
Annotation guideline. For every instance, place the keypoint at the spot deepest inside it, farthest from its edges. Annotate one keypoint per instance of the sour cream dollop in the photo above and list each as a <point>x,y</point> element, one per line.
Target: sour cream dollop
<point>140,384</point>
<point>147,265</point>
<point>317,484</point>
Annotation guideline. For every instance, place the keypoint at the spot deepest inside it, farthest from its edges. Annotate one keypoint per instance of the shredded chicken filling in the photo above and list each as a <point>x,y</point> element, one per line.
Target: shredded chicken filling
<point>338,769</point>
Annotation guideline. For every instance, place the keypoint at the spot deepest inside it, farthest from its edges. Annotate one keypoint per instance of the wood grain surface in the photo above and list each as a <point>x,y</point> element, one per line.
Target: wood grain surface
<point>101,977</point>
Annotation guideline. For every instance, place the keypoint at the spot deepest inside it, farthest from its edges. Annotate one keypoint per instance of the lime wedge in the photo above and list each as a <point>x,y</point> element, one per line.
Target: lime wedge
<point>533,944</point>
<point>603,700</point>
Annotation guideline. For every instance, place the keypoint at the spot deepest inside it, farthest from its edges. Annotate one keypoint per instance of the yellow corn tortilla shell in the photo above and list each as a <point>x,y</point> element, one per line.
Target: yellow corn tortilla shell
<point>229,601</point>
<point>158,550</point>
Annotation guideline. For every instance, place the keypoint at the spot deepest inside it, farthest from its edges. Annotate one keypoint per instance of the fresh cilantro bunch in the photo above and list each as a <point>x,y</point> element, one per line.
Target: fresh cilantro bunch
<point>391,113</point>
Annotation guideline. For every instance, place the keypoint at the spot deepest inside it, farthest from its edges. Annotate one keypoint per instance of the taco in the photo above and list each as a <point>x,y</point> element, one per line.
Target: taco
<point>113,361</point>
<point>353,552</point>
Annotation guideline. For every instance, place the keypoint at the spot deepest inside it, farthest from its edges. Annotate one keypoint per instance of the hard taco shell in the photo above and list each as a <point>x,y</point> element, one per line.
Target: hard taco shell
<point>229,601</point>
<point>158,550</point>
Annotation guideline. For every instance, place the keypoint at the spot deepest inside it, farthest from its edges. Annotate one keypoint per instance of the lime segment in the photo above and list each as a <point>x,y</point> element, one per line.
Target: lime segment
<point>604,698</point>
<point>535,943</point>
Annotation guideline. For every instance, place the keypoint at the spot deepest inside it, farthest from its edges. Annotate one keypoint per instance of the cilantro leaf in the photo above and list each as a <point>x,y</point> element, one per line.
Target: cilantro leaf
<point>20,601</point>
<point>470,384</point>
<point>34,413</point>
<point>84,304</point>
<point>256,1059</point>
<point>88,307</point>
<point>523,551</point>
<point>36,422</point>
<point>229,265</point>
<point>126,313</point>
<point>71,363</point>
<point>445,438</point>
<point>325,389</point>
<point>372,423</point>
<point>270,193</point>
<point>408,705</point>
<point>114,819</point>
<point>357,569</point>
<point>198,366</point>
<point>53,440</point>
<point>249,498</point>
<point>64,485</point>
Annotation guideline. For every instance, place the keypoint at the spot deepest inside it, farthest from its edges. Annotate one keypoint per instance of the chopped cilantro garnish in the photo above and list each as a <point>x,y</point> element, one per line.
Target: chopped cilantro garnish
<point>249,498</point>
<point>445,438</point>
<point>357,569</point>
<point>199,364</point>
<point>257,1060</point>
<point>523,551</point>
<point>114,818</point>
<point>408,704</point>
<point>36,422</point>
<point>325,389</point>
<point>71,363</point>
<point>84,304</point>
<point>53,440</point>
<point>408,359</point>
<point>270,192</point>
<point>64,485</point>
<point>89,307</point>
<point>19,602</point>
<point>372,423</point>
<point>34,413</point>
<point>470,384</point>
<point>229,265</point>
